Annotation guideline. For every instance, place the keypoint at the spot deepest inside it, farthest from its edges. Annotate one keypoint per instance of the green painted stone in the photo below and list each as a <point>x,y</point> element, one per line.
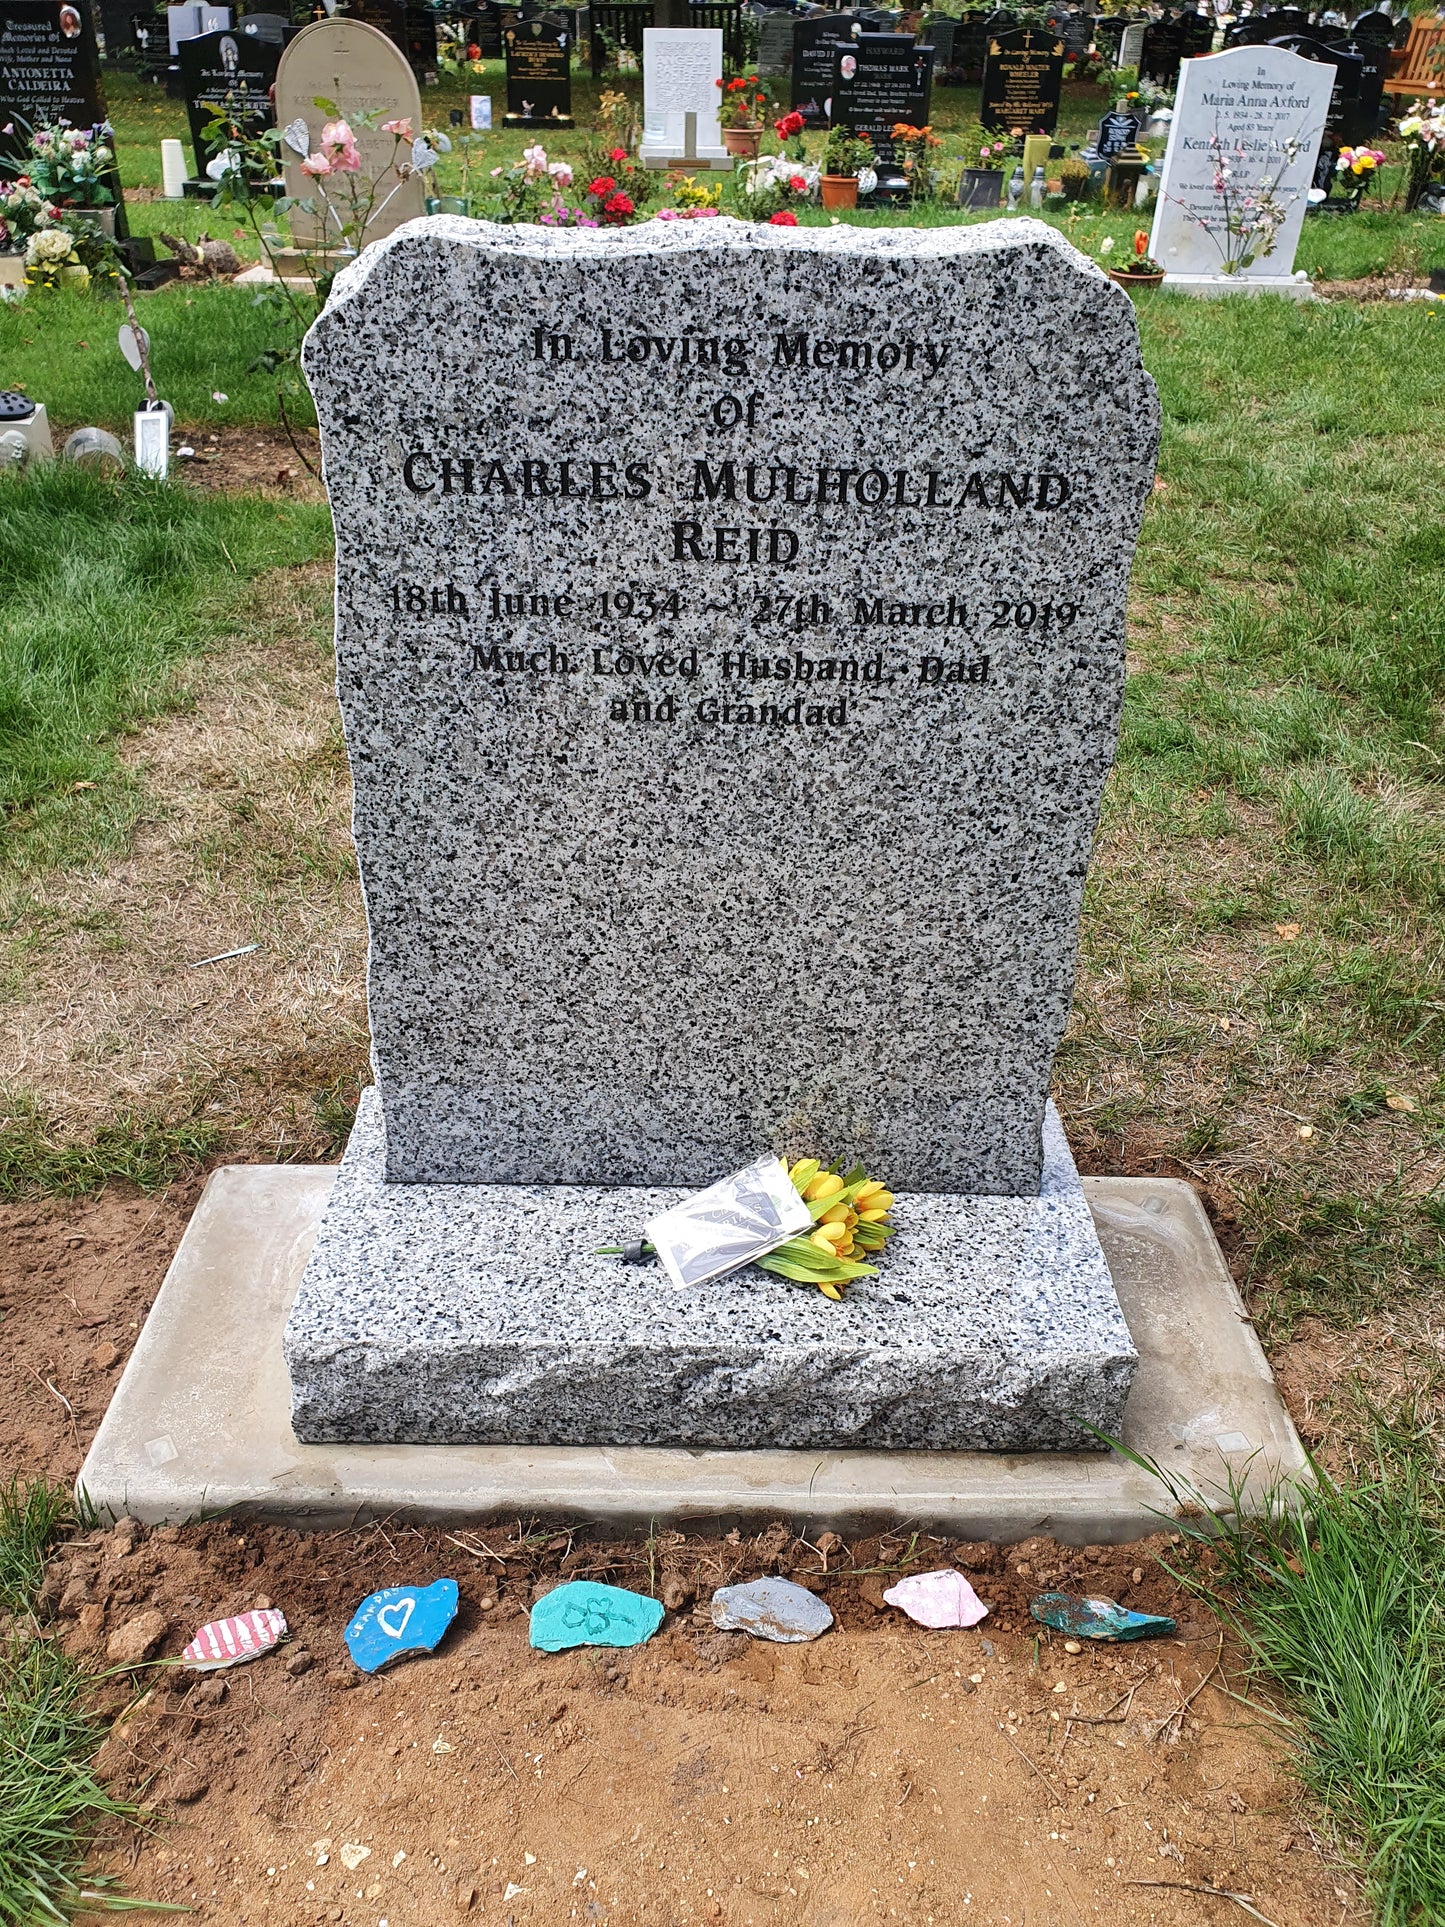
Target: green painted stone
<point>582,1613</point>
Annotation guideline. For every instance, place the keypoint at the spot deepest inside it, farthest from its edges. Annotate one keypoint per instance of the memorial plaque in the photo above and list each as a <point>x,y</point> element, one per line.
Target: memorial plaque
<point>231,74</point>
<point>730,647</point>
<point>539,73</point>
<point>1117,133</point>
<point>1262,111</point>
<point>815,49</point>
<point>880,80</point>
<point>1023,74</point>
<point>49,70</point>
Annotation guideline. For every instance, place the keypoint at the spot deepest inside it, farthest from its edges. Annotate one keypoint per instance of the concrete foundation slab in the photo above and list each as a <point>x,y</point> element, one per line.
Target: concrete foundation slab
<point>200,1422</point>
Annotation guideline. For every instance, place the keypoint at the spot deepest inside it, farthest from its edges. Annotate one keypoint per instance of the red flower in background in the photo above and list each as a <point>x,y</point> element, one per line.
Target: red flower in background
<point>618,154</point>
<point>789,125</point>
<point>784,217</point>
<point>616,209</point>
<point>602,186</point>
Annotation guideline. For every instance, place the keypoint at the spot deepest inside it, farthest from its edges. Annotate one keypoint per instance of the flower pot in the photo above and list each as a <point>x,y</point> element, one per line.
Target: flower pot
<point>743,142</point>
<point>448,204</point>
<point>1127,280</point>
<point>980,187</point>
<point>839,190</point>
<point>12,270</point>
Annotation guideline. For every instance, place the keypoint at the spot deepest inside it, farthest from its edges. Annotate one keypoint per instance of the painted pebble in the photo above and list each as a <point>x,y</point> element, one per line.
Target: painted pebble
<point>771,1609</point>
<point>584,1613</point>
<point>230,1642</point>
<point>1069,1612</point>
<point>402,1619</point>
<point>937,1599</point>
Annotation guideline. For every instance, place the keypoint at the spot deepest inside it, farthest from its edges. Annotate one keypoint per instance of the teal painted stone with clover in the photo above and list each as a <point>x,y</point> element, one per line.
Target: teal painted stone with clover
<point>583,1613</point>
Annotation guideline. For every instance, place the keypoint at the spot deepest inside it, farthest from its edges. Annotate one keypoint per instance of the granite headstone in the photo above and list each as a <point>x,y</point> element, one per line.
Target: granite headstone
<point>231,74</point>
<point>880,80</point>
<point>539,72</point>
<point>730,644</point>
<point>816,42</point>
<point>1023,75</point>
<point>49,70</point>
<point>1261,103</point>
<point>362,71</point>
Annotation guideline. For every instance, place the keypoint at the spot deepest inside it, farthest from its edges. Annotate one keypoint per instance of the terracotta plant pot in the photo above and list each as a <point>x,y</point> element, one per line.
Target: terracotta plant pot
<point>743,142</point>
<point>1127,280</point>
<point>839,190</point>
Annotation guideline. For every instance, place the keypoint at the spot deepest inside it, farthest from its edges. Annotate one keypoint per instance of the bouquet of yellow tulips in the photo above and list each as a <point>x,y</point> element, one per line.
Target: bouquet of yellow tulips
<point>850,1215</point>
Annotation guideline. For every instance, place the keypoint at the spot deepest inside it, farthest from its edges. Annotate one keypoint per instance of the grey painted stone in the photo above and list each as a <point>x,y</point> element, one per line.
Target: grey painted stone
<point>833,915</point>
<point>773,1609</point>
<point>478,1314</point>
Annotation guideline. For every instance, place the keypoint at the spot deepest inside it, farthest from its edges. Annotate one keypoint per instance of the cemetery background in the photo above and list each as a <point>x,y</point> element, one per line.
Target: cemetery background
<point>1258,1006</point>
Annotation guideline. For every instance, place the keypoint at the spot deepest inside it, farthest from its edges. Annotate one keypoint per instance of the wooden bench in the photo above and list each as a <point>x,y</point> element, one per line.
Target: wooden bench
<point>1417,70</point>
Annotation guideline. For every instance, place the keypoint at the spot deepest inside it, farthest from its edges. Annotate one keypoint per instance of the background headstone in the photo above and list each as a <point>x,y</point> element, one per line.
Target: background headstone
<point>1117,131</point>
<point>816,41</point>
<point>1264,100</point>
<point>880,80</point>
<point>1346,123</point>
<point>1023,75</point>
<point>539,72</point>
<point>49,70</point>
<point>730,645</point>
<point>775,43</point>
<point>681,71</point>
<point>362,71</point>
<point>1131,44</point>
<point>231,74</point>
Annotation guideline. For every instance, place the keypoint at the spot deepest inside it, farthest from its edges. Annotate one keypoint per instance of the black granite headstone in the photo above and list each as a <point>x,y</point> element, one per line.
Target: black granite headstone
<point>49,70</point>
<point>1023,71</point>
<point>1162,51</point>
<point>880,80</point>
<point>815,49</point>
<point>274,28</point>
<point>412,28</point>
<point>1343,117</point>
<point>229,73</point>
<point>539,73</point>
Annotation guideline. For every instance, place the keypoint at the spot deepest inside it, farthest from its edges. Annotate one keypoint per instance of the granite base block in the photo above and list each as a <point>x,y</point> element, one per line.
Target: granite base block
<point>479,1314</point>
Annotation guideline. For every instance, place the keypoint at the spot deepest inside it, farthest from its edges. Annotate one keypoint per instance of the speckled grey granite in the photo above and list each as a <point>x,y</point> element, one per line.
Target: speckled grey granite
<point>795,861</point>
<point>476,1314</point>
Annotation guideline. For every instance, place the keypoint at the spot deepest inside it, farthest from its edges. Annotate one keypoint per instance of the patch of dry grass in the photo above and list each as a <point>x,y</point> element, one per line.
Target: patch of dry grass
<point>243,838</point>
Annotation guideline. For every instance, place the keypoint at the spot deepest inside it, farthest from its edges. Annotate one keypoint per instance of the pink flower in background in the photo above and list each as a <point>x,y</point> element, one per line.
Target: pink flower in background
<point>316,165</point>
<point>401,128</point>
<point>561,173</point>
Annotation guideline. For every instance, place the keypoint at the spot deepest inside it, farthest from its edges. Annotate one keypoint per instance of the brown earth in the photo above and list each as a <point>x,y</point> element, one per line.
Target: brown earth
<point>885,1773</point>
<point>707,1777</point>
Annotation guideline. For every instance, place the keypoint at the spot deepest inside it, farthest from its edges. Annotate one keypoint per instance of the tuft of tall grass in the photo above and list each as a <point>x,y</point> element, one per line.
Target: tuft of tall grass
<point>50,1801</point>
<point>1336,1592</point>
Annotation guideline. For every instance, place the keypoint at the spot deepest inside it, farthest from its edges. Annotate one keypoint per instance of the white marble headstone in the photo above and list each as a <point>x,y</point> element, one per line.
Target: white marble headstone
<point>1242,151</point>
<point>681,71</point>
<point>361,71</point>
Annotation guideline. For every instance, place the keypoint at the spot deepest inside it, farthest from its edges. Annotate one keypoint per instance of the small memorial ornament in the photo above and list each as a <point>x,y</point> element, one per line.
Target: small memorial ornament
<point>230,1642</point>
<point>937,1599</point>
<point>773,1609</point>
<point>584,1613</point>
<point>398,1620</point>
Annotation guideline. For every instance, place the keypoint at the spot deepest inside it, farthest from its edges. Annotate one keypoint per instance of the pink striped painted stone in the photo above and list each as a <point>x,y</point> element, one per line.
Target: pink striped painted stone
<point>227,1642</point>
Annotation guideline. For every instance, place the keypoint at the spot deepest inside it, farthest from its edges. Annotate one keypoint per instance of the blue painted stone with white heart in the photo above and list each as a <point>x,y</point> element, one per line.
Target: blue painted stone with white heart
<point>402,1619</point>
<point>582,1613</point>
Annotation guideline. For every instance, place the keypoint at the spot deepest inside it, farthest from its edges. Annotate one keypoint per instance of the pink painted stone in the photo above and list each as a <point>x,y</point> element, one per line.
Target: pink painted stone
<point>938,1599</point>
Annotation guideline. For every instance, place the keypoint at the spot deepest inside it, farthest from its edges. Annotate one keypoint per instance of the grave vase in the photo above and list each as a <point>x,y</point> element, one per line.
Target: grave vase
<point>980,187</point>
<point>743,142</point>
<point>839,190</point>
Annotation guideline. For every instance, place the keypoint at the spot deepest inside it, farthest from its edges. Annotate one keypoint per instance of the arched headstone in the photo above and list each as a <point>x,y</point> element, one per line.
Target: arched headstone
<point>358,68</point>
